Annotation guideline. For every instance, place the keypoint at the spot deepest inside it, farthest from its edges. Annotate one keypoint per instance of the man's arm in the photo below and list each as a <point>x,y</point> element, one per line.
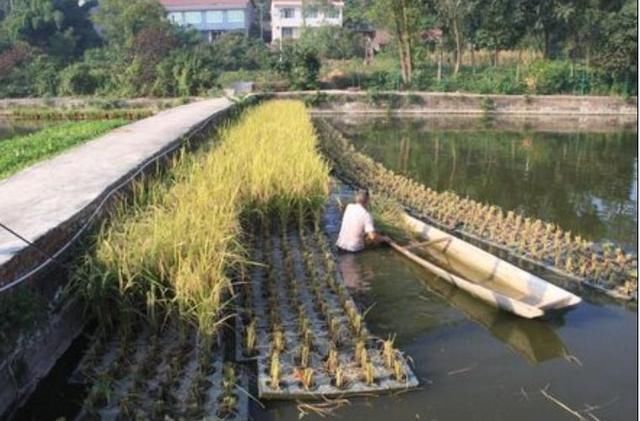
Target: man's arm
<point>371,235</point>
<point>377,238</point>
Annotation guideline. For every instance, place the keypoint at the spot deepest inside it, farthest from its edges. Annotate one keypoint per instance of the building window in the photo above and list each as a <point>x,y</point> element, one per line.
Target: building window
<point>193,18</point>
<point>287,13</point>
<point>332,13</point>
<point>235,16</point>
<point>213,16</point>
<point>311,12</point>
<point>287,33</point>
<point>175,17</point>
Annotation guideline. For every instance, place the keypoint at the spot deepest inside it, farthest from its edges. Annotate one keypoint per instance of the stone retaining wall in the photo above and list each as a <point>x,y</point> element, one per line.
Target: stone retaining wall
<point>454,103</point>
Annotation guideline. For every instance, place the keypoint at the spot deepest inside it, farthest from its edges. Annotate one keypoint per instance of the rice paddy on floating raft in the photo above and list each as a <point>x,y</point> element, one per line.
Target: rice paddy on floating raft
<point>147,375</point>
<point>534,241</point>
<point>301,325</point>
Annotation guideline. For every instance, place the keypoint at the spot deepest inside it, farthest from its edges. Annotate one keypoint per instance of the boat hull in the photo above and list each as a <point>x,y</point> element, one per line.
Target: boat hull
<point>486,276</point>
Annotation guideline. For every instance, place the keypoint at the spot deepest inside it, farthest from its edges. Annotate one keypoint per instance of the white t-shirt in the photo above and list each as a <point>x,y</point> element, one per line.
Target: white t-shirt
<point>356,222</point>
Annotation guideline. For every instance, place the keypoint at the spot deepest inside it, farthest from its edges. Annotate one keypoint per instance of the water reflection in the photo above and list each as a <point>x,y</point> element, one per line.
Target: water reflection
<point>585,182</point>
<point>10,128</point>
<point>534,340</point>
<point>419,299</point>
<point>354,277</point>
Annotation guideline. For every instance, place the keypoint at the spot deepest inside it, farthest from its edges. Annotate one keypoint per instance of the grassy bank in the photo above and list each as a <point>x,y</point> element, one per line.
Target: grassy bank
<point>177,248</point>
<point>19,152</point>
<point>531,77</point>
<point>88,113</point>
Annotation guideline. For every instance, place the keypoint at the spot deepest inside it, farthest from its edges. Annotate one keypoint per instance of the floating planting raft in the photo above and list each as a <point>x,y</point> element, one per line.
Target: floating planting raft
<point>138,374</point>
<point>299,322</point>
<point>544,244</point>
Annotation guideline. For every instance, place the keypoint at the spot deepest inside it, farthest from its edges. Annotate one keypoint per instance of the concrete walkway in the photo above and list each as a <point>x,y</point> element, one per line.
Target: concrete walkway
<point>41,198</point>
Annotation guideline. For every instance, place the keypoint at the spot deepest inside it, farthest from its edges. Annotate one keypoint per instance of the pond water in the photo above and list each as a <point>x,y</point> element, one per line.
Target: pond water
<point>474,361</point>
<point>584,181</point>
<point>10,127</point>
<point>478,363</point>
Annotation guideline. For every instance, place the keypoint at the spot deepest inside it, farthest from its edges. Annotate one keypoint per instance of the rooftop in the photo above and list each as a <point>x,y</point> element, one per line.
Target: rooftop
<point>202,4</point>
<point>299,2</point>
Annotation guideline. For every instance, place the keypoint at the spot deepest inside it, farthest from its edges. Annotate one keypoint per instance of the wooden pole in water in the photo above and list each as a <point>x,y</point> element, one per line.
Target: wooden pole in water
<point>427,243</point>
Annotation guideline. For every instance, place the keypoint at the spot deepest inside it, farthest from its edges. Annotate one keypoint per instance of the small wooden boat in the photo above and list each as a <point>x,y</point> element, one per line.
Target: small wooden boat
<point>484,275</point>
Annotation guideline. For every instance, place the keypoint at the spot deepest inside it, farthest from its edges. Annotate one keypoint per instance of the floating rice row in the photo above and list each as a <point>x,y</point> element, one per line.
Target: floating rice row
<point>544,243</point>
<point>137,374</point>
<point>301,325</point>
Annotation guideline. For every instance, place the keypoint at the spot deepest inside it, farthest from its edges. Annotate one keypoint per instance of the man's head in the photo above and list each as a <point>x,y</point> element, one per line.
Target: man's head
<point>362,197</point>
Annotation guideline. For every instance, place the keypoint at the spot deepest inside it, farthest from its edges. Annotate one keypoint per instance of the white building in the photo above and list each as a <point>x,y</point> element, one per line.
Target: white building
<point>290,17</point>
<point>211,17</point>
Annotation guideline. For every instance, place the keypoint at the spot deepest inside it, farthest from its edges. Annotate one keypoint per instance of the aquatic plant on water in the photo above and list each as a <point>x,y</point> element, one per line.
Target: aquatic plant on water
<point>274,370</point>
<point>250,337</point>
<point>388,352</point>
<point>339,377</point>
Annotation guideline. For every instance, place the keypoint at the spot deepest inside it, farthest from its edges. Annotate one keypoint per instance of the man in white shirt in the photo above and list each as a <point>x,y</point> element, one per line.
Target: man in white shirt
<point>357,225</point>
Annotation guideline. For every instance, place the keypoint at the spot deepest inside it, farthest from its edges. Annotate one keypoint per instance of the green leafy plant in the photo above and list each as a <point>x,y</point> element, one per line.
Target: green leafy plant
<point>21,151</point>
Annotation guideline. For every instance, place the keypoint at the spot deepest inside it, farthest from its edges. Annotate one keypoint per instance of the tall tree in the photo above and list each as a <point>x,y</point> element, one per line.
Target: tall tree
<point>454,14</point>
<point>500,25</point>
<point>618,47</point>
<point>59,27</point>
<point>120,20</point>
<point>549,22</point>
<point>403,18</point>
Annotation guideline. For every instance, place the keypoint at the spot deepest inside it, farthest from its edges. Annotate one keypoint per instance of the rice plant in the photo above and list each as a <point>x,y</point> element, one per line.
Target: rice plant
<point>186,238</point>
<point>275,370</point>
<point>388,352</point>
<point>368,372</point>
<point>339,377</point>
<point>250,337</point>
<point>307,378</point>
<point>332,361</point>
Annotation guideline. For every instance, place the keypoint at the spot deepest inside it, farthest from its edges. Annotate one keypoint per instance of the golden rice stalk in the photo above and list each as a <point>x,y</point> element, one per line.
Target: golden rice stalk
<point>186,235</point>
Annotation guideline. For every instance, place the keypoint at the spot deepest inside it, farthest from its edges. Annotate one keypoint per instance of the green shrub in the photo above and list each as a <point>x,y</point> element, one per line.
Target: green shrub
<point>422,79</point>
<point>382,80</point>
<point>546,77</point>
<point>234,51</point>
<point>257,76</point>
<point>44,74</point>
<point>185,73</point>
<point>333,42</point>
<point>316,100</point>
<point>77,79</point>
<point>19,311</point>
<point>300,65</point>
<point>28,75</point>
<point>490,80</point>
